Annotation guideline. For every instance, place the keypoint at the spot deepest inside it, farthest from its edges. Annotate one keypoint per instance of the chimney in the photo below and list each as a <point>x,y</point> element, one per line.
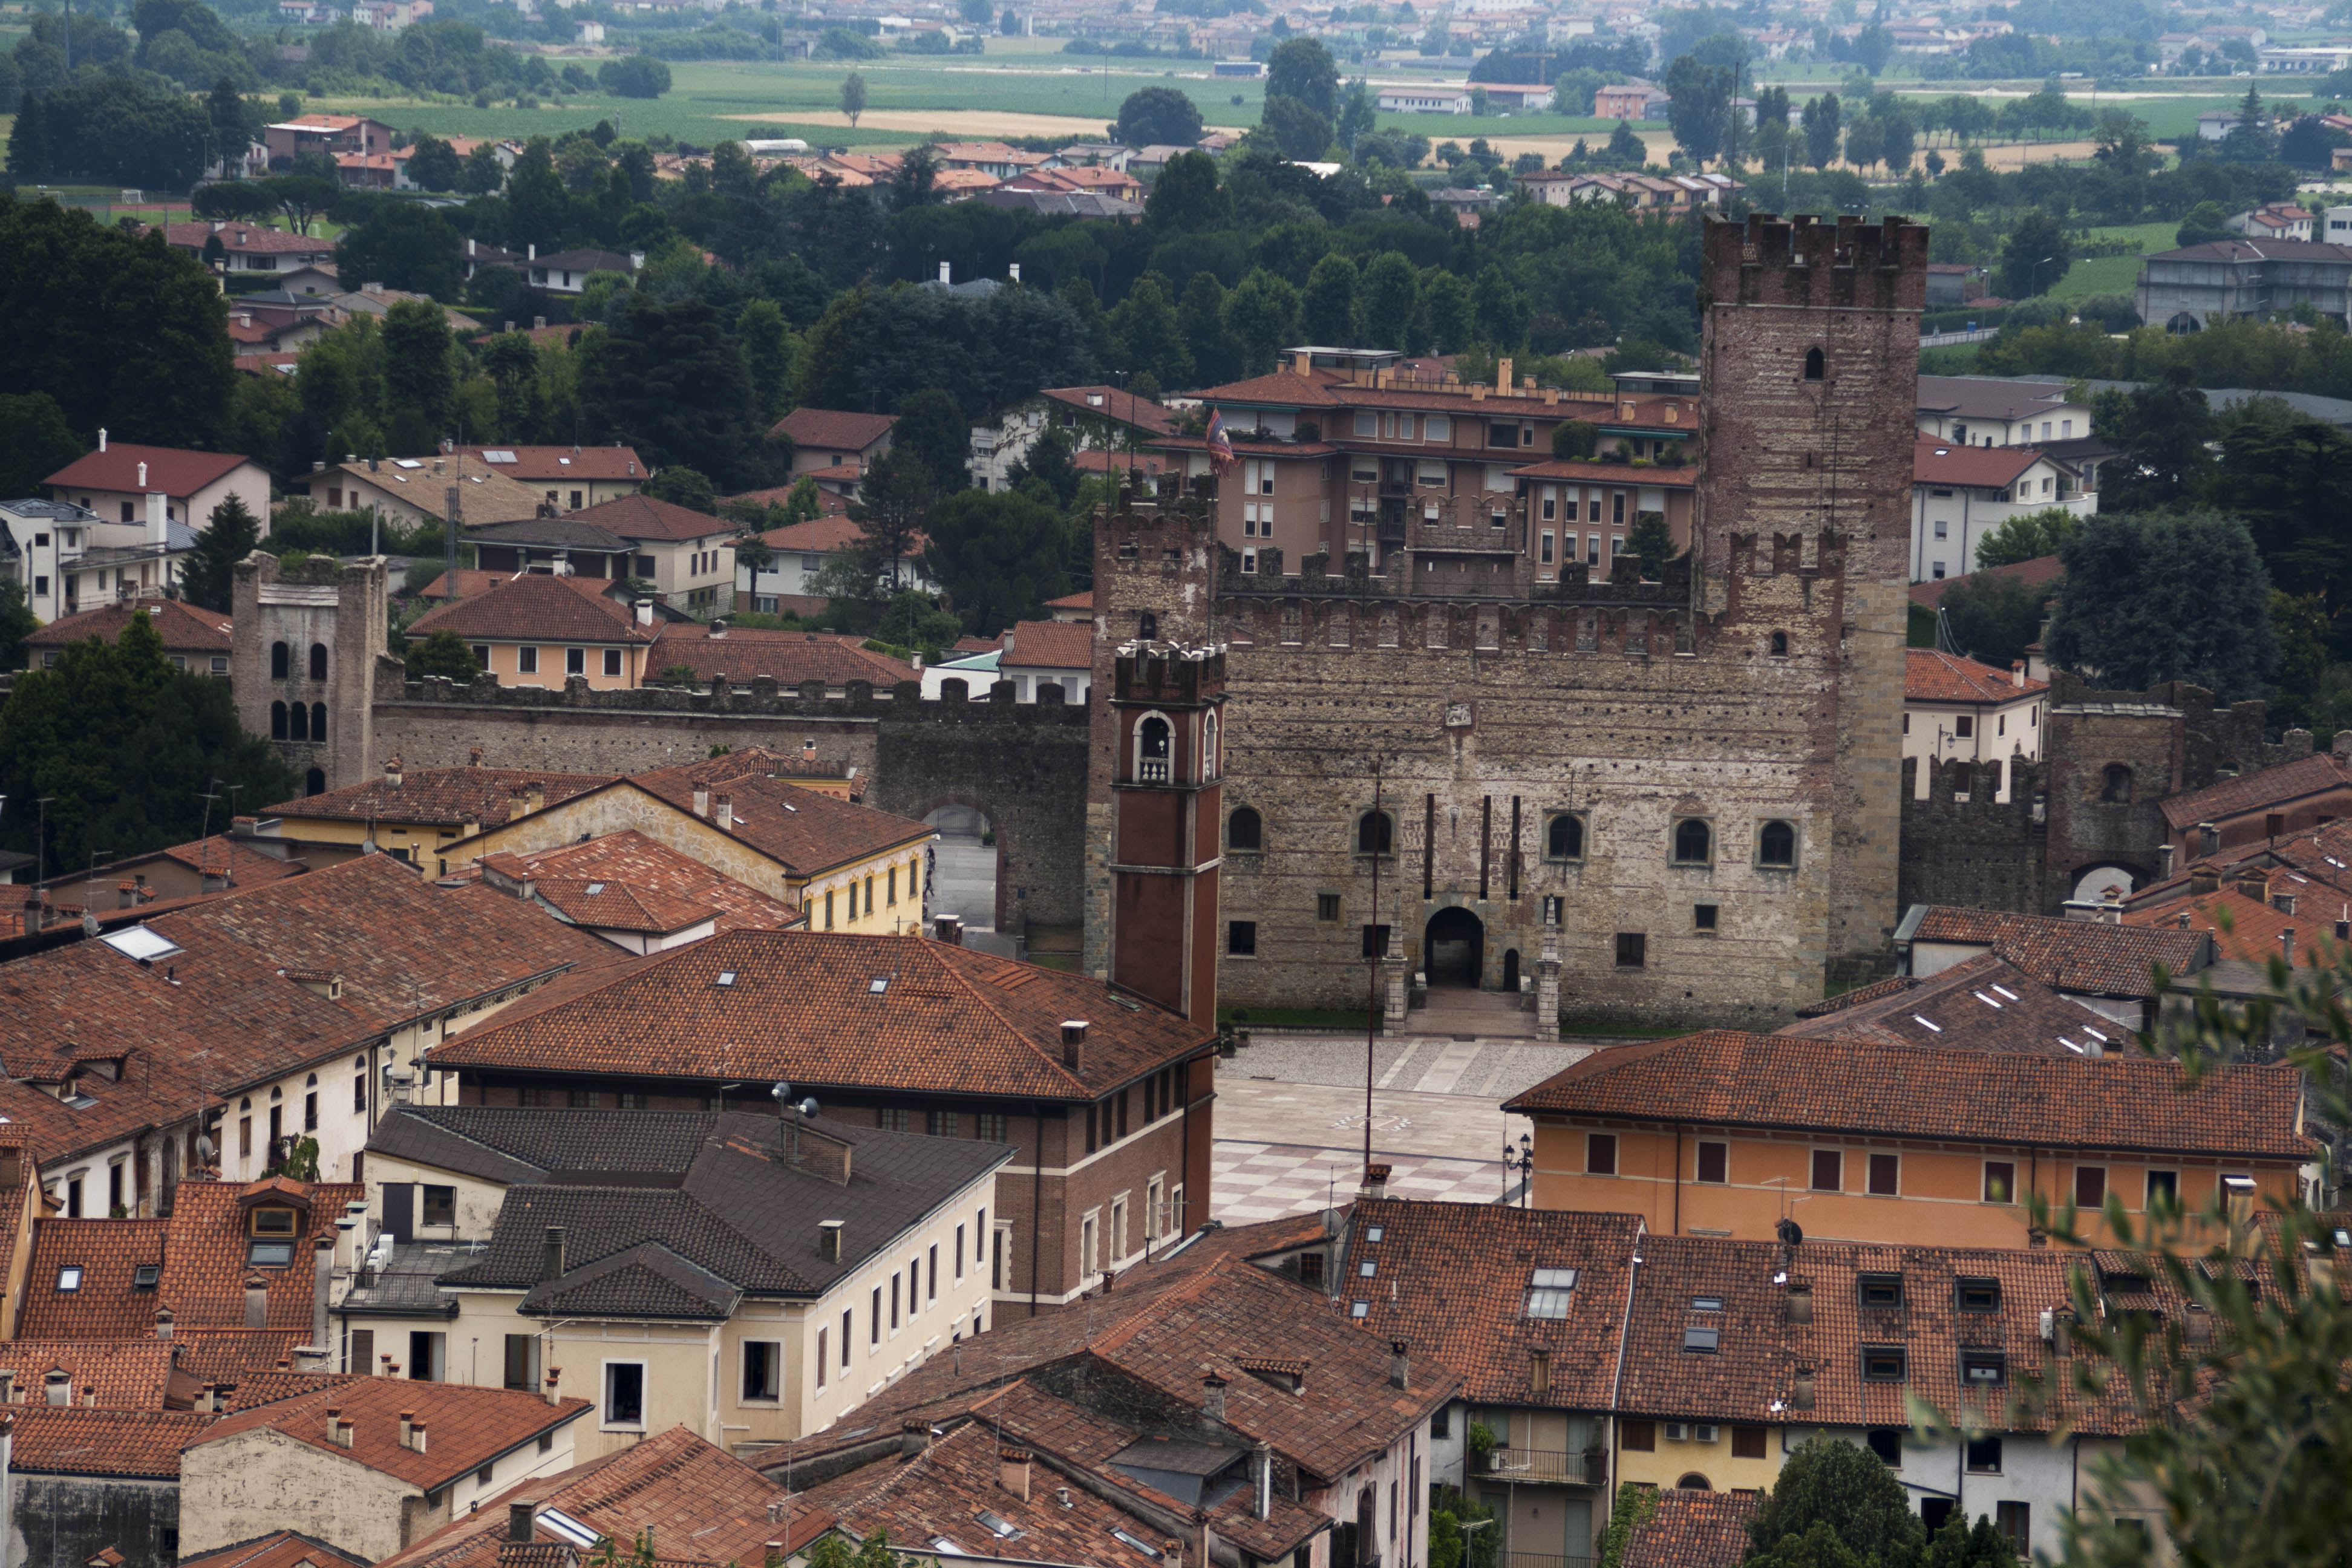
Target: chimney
<point>159,517</point>
<point>1013,272</point>
<point>828,1247</point>
<point>2017,672</point>
<point>8,1386</point>
<point>2208,838</point>
<point>1213,1397</point>
<point>391,773</point>
<point>101,437</point>
<point>1074,1036</point>
<point>948,929</point>
<point>723,813</point>
<point>2164,861</point>
<point>338,1432</point>
<point>554,1375</point>
<point>162,1323</point>
<point>89,1395</point>
<point>2255,882</point>
<point>1262,1480</point>
<point>257,1301</point>
<point>2283,902</point>
<point>322,1273</point>
<point>1503,375</point>
<point>57,1389</point>
<point>538,324</point>
<point>551,1254</point>
<point>1398,1364</point>
<point>2181,920</point>
<point>534,795</point>
<point>644,608</point>
<point>943,274</point>
<point>2286,943</point>
<point>1376,1181</point>
<point>416,1437</point>
<point>126,895</point>
<point>530,252</point>
<point>519,1522</point>
<point>1013,1471</point>
<point>2204,878</point>
<point>143,475</point>
<point>717,632</point>
<point>701,799</point>
<point>473,756</point>
<point>407,1428</point>
<point>914,1437</point>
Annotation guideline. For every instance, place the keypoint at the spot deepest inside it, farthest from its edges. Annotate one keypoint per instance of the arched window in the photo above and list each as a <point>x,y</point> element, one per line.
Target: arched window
<point>1564,838</point>
<point>298,720</point>
<point>276,1095</point>
<point>1154,740</point>
<point>1814,365</point>
<point>315,782</point>
<point>318,721</point>
<point>1776,845</point>
<point>1209,748</point>
<point>1146,626</point>
<point>1245,829</point>
<point>310,1082</point>
<point>277,721</point>
<point>1375,834</point>
<point>281,661</point>
<point>1695,1482</point>
<point>1779,645</point>
<point>1692,839</point>
<point>2115,784</point>
<point>318,661</point>
<point>245,1104</point>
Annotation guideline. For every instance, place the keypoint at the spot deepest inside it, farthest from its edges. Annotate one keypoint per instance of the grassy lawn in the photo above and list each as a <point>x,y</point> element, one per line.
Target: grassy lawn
<point>2101,275</point>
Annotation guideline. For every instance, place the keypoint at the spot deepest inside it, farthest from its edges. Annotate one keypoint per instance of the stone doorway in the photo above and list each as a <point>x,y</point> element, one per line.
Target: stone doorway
<point>1454,949</point>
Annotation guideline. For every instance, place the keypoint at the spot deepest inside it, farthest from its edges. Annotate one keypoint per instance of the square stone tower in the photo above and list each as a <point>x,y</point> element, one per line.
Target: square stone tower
<point>1809,392</point>
<point>306,645</point>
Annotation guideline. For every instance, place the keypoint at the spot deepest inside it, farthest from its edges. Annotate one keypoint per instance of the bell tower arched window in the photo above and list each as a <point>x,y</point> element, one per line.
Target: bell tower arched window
<point>1155,741</point>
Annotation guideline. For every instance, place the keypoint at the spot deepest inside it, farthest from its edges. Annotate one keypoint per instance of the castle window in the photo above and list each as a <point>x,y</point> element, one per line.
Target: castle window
<point>1209,747</point>
<point>281,661</point>
<point>1241,938</point>
<point>278,730</point>
<point>318,721</point>
<point>1153,741</point>
<point>2115,784</point>
<point>1147,625</point>
<point>1375,834</point>
<point>1779,645</point>
<point>1776,845</point>
<point>299,716</point>
<point>1245,830</point>
<point>1814,365</point>
<point>318,661</point>
<point>1564,837</point>
<point>1693,841</point>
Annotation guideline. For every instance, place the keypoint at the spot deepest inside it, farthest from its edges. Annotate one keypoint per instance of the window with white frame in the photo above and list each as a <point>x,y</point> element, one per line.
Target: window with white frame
<point>625,1394</point>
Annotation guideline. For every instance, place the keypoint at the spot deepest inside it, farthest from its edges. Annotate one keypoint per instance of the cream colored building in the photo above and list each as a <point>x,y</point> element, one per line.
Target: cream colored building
<point>748,1278</point>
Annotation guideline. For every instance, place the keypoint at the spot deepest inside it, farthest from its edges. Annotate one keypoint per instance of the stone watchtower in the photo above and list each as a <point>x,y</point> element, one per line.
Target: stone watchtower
<point>1809,392</point>
<point>305,645</point>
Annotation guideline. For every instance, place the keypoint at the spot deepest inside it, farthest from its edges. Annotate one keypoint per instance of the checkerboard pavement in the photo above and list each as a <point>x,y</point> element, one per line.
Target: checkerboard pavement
<point>1268,1181</point>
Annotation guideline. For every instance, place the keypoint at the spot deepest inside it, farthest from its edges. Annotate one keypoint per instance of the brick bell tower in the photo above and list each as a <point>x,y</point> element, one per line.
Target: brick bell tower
<point>1166,720</point>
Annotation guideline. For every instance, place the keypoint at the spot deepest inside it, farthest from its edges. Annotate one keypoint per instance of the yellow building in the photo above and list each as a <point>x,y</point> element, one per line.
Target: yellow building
<point>538,629</point>
<point>417,813</point>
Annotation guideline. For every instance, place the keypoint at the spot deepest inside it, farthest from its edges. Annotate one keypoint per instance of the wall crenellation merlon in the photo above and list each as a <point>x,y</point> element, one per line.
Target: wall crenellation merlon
<point>902,702</point>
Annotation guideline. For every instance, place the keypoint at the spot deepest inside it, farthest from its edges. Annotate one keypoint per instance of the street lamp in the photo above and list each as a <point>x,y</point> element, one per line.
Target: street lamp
<point>1521,1159</point>
<point>2036,274</point>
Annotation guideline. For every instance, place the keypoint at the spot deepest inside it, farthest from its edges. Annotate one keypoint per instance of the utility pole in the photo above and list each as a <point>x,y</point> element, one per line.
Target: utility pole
<point>449,547</point>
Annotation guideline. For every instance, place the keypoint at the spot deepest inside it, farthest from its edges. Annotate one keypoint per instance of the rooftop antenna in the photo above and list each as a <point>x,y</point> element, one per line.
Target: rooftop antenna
<point>204,849</point>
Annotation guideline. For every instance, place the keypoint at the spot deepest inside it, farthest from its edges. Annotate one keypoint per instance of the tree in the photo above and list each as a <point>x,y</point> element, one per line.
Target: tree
<point>1388,299</point>
<point>768,345</point>
<point>1699,108</point>
<point>1301,69</point>
<point>669,379</point>
<point>124,745</point>
<point>482,174</point>
<point>1818,120</point>
<point>115,129</point>
<point>933,430</point>
<point>420,375</point>
<point>443,654</point>
<point>17,622</point>
<point>913,619</point>
<point>39,442</point>
<point>1445,312</point>
<point>893,501</point>
<point>1625,149</point>
<point>2206,221</point>
<point>2036,256</point>
<point>404,245</point>
<point>433,163</point>
<point>1994,616</point>
<point>1186,198</point>
<point>538,204</point>
<point>634,75</point>
<point>1303,135</point>
<point>231,533</point>
<point>1653,541</point>
<point>1327,308</point>
<point>853,97</point>
<point>1843,1488</point>
<point>999,554</point>
<point>1200,321</point>
<point>1047,462</point>
<point>1157,117</point>
<point>2025,536</point>
<point>1262,313</point>
<point>682,486</point>
<point>1145,329</point>
<point>2160,429</point>
<point>2177,595</point>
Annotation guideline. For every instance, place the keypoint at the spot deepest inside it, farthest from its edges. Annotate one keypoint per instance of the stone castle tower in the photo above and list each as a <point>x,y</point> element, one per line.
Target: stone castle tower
<point>306,645</point>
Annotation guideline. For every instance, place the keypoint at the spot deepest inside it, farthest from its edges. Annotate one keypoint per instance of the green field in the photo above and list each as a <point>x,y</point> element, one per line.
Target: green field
<point>2114,274</point>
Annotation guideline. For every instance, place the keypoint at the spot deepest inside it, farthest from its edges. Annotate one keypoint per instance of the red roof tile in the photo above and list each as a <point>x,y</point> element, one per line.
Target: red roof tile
<point>74,1441</point>
<point>106,1305</point>
<point>1931,675</point>
<point>2255,924</point>
<point>1111,402</point>
<point>538,607</point>
<point>820,534</point>
<point>244,239</point>
<point>1725,1079</point>
<point>833,430</point>
<point>465,1428</point>
<point>803,1006</point>
<point>206,1251</point>
<point>1692,1529</point>
<point>643,517</point>
<point>541,464</point>
<point>1049,645</point>
<point>2039,573</point>
<point>637,862</point>
<point>1938,462</point>
<point>1082,600</point>
<point>169,470</point>
<point>124,1374</point>
<point>280,1549</point>
<point>2086,957</point>
<point>439,797</point>
<point>1982,1005</point>
<point>805,831</point>
<point>2320,774</point>
<point>470,582</point>
<point>183,627</point>
<point>745,654</point>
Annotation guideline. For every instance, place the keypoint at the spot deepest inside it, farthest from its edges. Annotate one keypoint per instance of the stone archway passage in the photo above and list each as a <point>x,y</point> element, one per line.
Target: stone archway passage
<point>1453,948</point>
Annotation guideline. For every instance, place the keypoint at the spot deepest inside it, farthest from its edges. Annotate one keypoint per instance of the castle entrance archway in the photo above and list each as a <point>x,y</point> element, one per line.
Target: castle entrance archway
<point>1453,948</point>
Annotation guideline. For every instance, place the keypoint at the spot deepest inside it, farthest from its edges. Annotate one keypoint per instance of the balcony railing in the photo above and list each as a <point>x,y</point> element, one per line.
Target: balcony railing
<point>1583,1467</point>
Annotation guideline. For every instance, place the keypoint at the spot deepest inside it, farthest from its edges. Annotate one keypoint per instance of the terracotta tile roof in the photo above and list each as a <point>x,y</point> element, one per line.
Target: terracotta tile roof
<point>803,1006</point>
<point>2320,774</point>
<point>2090,957</point>
<point>438,797</point>
<point>2039,573</point>
<point>830,504</point>
<point>641,517</point>
<point>540,464</point>
<point>134,1444</point>
<point>183,627</point>
<point>1692,1529</point>
<point>171,469</point>
<point>124,1374</point>
<point>2122,1102</point>
<point>804,830</point>
<point>2255,924</point>
<point>242,239</point>
<point>280,1549</point>
<point>225,855</point>
<point>249,1367</point>
<point>1940,462</point>
<point>1111,402</point>
<point>672,1484</point>
<point>487,494</point>
<point>746,654</point>
<point>1082,600</point>
<point>107,1305</point>
<point>833,430</point>
<point>1569,471</point>
<point>1931,675</point>
<point>820,534</point>
<point>1049,645</point>
<point>205,1265</point>
<point>648,868</point>
<point>1461,1276</point>
<point>537,608</point>
<point>616,905</point>
<point>470,582</point>
<point>1982,1005</point>
<point>465,1428</point>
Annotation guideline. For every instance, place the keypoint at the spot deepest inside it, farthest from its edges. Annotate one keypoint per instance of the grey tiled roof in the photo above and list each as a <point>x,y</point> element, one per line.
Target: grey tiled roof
<point>404,1286</point>
<point>649,1280</point>
<point>501,1144</point>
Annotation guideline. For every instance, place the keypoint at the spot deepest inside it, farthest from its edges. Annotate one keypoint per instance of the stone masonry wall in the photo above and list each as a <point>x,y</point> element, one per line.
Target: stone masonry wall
<point>1975,851</point>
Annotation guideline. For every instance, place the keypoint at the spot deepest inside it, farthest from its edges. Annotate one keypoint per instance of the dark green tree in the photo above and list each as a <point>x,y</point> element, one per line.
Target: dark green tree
<point>1301,69</point>
<point>230,534</point>
<point>482,174</point>
<point>433,163</point>
<point>1144,328</point>
<point>669,379</point>
<point>17,622</point>
<point>1699,110</point>
<point>853,97</point>
<point>2027,536</point>
<point>1327,308</point>
<point>404,245</point>
<point>1445,312</point>
<point>420,376</point>
<point>934,431</point>
<point>1200,318</point>
<point>768,345</point>
<point>1626,150</point>
<point>2035,256</point>
<point>538,205</point>
<point>894,503</point>
<point>1388,298</point>
<point>1995,615</point>
<point>1186,197</point>
<point>1301,133</point>
<point>1157,117</point>
<point>38,443</point>
<point>1000,556</point>
<point>682,486</point>
<point>634,75</point>
<point>445,654</point>
<point>2166,596</point>
<point>1048,462</point>
<point>1818,120</point>
<point>124,746</point>
<point>2160,429</point>
<point>1652,542</point>
<point>1829,1483</point>
<point>1262,313</point>
<point>1575,439</point>
<point>2286,472</point>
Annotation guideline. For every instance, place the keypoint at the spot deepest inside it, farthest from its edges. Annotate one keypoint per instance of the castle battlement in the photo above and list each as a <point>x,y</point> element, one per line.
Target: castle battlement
<point>900,703</point>
<point>1799,262</point>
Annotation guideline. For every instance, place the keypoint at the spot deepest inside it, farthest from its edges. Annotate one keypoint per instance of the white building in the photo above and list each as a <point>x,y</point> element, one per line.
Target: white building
<point>68,558</point>
<point>1958,494</point>
<point>1960,709</point>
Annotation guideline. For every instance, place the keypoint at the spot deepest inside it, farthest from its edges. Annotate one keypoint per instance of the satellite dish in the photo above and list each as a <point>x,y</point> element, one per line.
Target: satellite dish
<point>1791,1233</point>
<point>88,923</point>
<point>203,1148</point>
